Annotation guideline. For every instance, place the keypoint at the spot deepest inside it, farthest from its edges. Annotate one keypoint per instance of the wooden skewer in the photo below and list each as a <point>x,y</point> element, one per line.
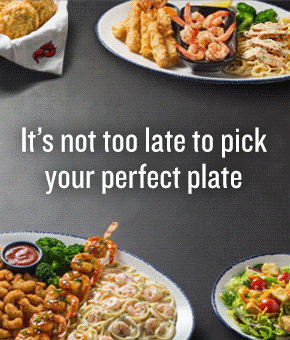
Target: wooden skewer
<point>110,230</point>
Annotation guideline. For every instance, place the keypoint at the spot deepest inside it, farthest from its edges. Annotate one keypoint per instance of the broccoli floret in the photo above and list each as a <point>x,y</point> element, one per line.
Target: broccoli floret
<point>53,281</point>
<point>59,254</point>
<point>44,272</point>
<point>244,20</point>
<point>267,15</point>
<point>73,250</point>
<point>56,259</point>
<point>245,8</point>
<point>47,255</point>
<point>50,242</point>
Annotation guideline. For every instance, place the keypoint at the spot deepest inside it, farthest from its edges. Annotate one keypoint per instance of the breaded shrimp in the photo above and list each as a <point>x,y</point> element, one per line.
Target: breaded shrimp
<point>27,287</point>
<point>12,311</point>
<point>28,309</point>
<point>5,334</point>
<point>5,284</point>
<point>17,323</point>
<point>6,274</point>
<point>35,300</point>
<point>3,292</point>
<point>14,296</point>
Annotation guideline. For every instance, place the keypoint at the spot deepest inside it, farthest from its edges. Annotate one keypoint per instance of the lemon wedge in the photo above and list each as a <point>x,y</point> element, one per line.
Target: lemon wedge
<point>220,3</point>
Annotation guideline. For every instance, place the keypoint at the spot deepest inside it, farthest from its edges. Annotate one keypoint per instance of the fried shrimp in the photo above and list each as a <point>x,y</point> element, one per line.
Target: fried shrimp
<point>14,296</point>
<point>6,274</point>
<point>3,292</point>
<point>25,286</point>
<point>5,334</point>
<point>29,309</point>
<point>5,284</point>
<point>12,311</point>
<point>16,323</point>
<point>87,264</point>
<point>35,299</point>
<point>42,291</point>
<point>49,323</point>
<point>76,283</point>
<point>61,301</point>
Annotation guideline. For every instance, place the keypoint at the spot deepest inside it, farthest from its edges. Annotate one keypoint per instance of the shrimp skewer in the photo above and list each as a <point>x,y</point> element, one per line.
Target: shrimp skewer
<point>100,246</point>
<point>76,283</point>
<point>61,301</point>
<point>87,264</point>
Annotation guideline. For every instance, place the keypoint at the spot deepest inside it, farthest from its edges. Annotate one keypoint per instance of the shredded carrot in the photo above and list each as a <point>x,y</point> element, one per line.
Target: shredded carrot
<point>243,297</point>
<point>253,277</point>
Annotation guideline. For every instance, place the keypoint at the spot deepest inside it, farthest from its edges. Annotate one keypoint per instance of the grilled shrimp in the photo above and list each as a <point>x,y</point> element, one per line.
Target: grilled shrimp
<point>53,325</point>
<point>76,283</point>
<point>87,264</point>
<point>29,334</point>
<point>99,247</point>
<point>61,301</point>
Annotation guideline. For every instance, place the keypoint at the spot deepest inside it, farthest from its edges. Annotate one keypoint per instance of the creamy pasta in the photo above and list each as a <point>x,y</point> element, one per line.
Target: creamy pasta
<point>126,305</point>
<point>264,50</point>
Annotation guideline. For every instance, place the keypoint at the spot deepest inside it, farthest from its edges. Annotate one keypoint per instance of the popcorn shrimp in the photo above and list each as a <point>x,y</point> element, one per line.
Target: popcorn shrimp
<point>6,274</point>
<point>12,311</point>
<point>25,286</point>
<point>5,334</point>
<point>14,296</point>
<point>16,323</point>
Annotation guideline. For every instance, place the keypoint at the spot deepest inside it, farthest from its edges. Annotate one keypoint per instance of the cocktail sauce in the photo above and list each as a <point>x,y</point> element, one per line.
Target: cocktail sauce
<point>21,255</point>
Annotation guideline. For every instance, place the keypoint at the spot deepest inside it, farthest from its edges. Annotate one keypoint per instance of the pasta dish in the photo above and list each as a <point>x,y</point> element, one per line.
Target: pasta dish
<point>126,305</point>
<point>264,50</point>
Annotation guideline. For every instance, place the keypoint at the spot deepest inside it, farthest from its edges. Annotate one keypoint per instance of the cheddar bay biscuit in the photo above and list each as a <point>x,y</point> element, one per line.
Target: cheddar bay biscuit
<point>45,9</point>
<point>17,19</point>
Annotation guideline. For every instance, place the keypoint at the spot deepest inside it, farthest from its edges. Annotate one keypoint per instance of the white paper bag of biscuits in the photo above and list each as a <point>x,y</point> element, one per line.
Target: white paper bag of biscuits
<point>33,33</point>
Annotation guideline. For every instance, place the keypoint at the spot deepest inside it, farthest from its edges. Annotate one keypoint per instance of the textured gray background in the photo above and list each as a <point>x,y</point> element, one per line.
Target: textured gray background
<point>191,238</point>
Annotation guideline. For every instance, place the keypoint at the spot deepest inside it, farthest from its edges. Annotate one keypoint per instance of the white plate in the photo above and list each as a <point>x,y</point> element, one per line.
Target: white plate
<point>220,309</point>
<point>185,318</point>
<point>120,13</point>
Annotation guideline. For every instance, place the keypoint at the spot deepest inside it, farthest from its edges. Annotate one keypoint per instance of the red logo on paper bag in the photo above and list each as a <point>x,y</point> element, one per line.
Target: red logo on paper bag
<point>45,51</point>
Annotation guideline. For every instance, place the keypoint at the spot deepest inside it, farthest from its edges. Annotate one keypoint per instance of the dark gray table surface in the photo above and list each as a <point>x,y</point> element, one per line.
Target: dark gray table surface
<point>192,238</point>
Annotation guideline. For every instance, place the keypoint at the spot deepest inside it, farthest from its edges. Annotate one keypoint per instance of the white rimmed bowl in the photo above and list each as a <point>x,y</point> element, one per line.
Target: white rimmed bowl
<point>220,309</point>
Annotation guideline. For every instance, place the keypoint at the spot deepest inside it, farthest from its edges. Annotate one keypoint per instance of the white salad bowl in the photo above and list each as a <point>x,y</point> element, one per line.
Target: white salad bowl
<point>220,309</point>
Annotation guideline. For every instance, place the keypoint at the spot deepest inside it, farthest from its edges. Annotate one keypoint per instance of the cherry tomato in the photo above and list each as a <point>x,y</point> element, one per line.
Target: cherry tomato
<point>284,277</point>
<point>271,305</point>
<point>258,284</point>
